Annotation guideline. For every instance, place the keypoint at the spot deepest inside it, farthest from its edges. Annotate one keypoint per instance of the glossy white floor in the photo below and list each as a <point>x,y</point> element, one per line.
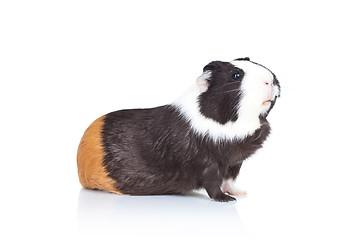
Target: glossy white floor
<point>65,63</point>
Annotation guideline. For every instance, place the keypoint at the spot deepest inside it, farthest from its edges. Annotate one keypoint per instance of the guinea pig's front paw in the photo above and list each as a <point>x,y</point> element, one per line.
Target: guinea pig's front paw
<point>223,198</point>
<point>235,192</point>
<point>228,186</point>
<point>238,192</point>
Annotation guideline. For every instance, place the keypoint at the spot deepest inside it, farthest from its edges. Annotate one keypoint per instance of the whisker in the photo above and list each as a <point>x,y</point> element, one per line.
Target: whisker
<point>234,90</point>
<point>230,83</point>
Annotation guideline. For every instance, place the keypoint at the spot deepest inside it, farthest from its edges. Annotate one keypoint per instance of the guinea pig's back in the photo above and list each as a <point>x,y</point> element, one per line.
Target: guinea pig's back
<point>90,159</point>
<point>133,152</point>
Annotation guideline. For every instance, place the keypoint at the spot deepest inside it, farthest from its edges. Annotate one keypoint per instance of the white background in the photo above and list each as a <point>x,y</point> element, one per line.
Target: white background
<point>65,63</point>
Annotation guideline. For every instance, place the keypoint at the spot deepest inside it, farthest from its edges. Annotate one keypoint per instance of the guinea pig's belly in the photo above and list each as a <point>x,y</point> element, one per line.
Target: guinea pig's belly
<point>142,180</point>
<point>137,186</point>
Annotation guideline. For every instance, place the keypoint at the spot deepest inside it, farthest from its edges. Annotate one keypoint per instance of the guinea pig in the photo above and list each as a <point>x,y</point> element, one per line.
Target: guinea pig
<point>198,141</point>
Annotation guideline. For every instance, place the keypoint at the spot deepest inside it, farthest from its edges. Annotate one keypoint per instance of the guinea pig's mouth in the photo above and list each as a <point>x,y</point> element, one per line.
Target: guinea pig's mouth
<point>267,102</point>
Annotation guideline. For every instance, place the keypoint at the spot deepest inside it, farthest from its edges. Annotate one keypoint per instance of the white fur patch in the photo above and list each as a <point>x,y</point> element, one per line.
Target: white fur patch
<point>254,89</point>
<point>254,93</point>
<point>189,107</point>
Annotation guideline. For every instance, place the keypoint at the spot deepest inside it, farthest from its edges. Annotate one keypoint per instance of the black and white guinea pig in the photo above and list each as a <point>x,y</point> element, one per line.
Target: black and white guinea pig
<point>199,141</point>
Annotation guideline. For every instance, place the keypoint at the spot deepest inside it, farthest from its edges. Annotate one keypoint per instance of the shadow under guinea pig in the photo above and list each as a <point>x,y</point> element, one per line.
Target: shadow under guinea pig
<point>192,213</point>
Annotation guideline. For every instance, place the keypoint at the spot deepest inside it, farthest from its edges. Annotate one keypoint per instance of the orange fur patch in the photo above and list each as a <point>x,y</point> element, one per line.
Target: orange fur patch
<point>90,156</point>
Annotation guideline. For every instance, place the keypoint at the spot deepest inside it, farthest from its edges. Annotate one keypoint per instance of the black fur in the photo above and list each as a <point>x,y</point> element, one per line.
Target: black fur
<point>243,59</point>
<point>219,102</point>
<point>155,151</point>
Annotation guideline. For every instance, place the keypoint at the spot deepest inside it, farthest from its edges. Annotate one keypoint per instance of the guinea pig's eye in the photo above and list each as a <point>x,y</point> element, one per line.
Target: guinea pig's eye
<point>235,76</point>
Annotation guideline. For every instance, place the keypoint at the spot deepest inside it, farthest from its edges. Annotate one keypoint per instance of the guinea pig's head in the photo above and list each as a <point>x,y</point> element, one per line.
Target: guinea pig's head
<point>240,88</point>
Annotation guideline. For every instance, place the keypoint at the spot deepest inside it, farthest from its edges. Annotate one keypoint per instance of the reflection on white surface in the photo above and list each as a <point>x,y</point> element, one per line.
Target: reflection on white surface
<point>173,215</point>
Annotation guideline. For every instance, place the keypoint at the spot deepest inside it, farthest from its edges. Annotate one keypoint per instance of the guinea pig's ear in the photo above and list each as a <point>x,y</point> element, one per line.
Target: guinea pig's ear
<point>213,66</point>
<point>203,81</point>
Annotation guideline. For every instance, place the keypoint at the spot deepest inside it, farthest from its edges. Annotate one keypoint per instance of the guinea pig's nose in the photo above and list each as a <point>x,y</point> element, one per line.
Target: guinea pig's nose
<point>268,83</point>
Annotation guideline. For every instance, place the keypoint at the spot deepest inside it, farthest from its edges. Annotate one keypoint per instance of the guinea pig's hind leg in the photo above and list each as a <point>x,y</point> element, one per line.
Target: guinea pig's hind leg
<point>211,183</point>
<point>229,187</point>
<point>216,194</point>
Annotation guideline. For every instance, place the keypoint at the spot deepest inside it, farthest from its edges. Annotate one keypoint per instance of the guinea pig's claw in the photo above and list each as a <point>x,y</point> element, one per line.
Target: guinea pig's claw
<point>224,198</point>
